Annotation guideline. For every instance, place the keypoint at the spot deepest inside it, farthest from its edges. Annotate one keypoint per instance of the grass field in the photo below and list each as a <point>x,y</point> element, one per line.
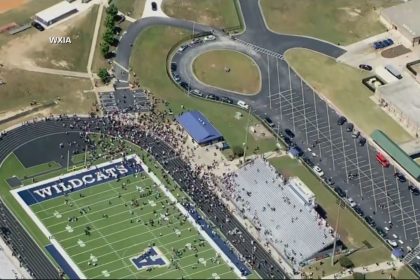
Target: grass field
<point>23,87</point>
<point>72,56</point>
<point>217,13</point>
<point>152,47</point>
<point>353,232</point>
<point>243,76</point>
<point>338,21</point>
<point>128,231</point>
<point>132,8</point>
<point>342,86</point>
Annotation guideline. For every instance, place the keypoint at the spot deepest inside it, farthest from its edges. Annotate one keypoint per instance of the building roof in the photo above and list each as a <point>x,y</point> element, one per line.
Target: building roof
<point>396,153</point>
<point>282,210</point>
<point>198,127</point>
<point>55,11</point>
<point>405,96</point>
<point>405,16</point>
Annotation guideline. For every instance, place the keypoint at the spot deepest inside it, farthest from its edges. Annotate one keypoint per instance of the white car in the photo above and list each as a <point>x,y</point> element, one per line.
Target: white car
<point>395,236</point>
<point>318,170</point>
<point>392,242</point>
<point>351,202</point>
<point>400,241</point>
<point>243,105</point>
<point>209,38</point>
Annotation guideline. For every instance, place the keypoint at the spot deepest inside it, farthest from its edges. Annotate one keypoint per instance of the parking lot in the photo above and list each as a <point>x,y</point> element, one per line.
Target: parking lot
<point>124,101</point>
<point>290,103</point>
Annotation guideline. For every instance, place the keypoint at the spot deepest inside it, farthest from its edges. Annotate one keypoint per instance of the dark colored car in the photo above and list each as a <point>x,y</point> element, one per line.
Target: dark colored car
<point>349,127</point>
<point>226,100</point>
<point>212,97</point>
<point>362,141</point>
<point>413,190</point>
<point>298,150</point>
<point>416,267</point>
<point>365,67</point>
<point>400,177</point>
<point>358,210</point>
<point>38,26</point>
<point>341,120</point>
<point>339,191</point>
<point>287,140</point>
<point>370,221</point>
<point>154,6</point>
<point>381,232</point>
<point>329,181</point>
<point>185,85</point>
<point>173,66</point>
<point>289,133</point>
<point>269,121</point>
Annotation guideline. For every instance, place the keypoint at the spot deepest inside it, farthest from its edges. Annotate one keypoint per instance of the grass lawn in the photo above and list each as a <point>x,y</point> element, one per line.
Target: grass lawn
<point>132,8</point>
<point>243,76</point>
<point>98,59</point>
<point>72,56</point>
<point>342,86</point>
<point>353,232</point>
<point>23,87</point>
<point>337,21</point>
<point>217,13</point>
<point>149,63</point>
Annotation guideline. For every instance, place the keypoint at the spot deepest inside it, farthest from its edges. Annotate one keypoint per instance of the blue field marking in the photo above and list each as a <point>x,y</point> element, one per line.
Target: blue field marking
<point>65,266</point>
<point>151,258</point>
<point>218,240</point>
<point>77,182</point>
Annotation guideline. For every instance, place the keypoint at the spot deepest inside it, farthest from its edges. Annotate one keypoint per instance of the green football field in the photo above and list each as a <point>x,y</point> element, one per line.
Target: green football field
<point>102,227</point>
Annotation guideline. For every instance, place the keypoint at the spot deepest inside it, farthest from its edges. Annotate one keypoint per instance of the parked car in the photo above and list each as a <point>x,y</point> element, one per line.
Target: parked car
<point>362,141</point>
<point>182,48</point>
<point>289,133</point>
<point>318,170</point>
<point>177,78</point>
<point>154,6</point>
<point>340,192</point>
<point>370,221</point>
<point>269,122</point>
<point>341,120</point>
<point>226,100</point>
<point>351,202</point>
<point>349,127</point>
<point>185,85</point>
<point>400,177</point>
<point>393,243</point>
<point>308,161</point>
<point>382,160</point>
<point>355,134</point>
<point>209,38</point>
<point>243,105</point>
<point>365,67</point>
<point>173,66</point>
<point>359,210</point>
<point>381,232</point>
<point>329,181</point>
<point>287,141</point>
<point>196,92</point>
<point>212,97</point>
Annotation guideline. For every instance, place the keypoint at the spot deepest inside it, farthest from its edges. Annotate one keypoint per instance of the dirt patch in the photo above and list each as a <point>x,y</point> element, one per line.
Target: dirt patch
<point>6,5</point>
<point>395,51</point>
<point>259,132</point>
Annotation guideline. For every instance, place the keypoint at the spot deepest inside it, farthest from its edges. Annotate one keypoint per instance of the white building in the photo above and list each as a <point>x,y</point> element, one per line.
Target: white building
<point>55,13</point>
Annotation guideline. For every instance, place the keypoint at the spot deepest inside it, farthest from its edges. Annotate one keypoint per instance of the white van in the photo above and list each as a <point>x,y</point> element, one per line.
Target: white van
<point>242,104</point>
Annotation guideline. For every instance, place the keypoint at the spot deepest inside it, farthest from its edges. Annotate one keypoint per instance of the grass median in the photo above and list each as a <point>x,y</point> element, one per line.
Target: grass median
<point>230,70</point>
<point>132,8</point>
<point>149,63</point>
<point>217,13</point>
<point>342,86</point>
<point>340,21</point>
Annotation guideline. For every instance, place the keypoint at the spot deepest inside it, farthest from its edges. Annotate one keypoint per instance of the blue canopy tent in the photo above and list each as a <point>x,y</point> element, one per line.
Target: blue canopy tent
<point>199,128</point>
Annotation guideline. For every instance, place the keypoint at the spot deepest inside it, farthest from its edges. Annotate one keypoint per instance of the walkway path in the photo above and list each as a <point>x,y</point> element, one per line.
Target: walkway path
<point>366,269</point>
<point>51,71</point>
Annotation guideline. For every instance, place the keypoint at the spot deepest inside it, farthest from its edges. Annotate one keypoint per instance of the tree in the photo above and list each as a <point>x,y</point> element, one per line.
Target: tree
<point>110,22</point>
<point>104,75</point>
<point>238,151</point>
<point>346,262</point>
<point>105,49</point>
<point>108,36</point>
<point>112,10</point>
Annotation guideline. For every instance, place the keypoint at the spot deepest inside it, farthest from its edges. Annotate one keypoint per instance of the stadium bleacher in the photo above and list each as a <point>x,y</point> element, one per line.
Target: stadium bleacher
<point>282,210</point>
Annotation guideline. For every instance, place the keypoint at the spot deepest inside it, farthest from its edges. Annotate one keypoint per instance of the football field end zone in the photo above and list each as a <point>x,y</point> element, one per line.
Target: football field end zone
<point>42,227</point>
<point>192,221</point>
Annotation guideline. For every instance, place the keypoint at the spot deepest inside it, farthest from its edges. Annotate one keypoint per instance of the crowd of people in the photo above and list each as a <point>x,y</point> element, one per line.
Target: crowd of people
<point>163,142</point>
